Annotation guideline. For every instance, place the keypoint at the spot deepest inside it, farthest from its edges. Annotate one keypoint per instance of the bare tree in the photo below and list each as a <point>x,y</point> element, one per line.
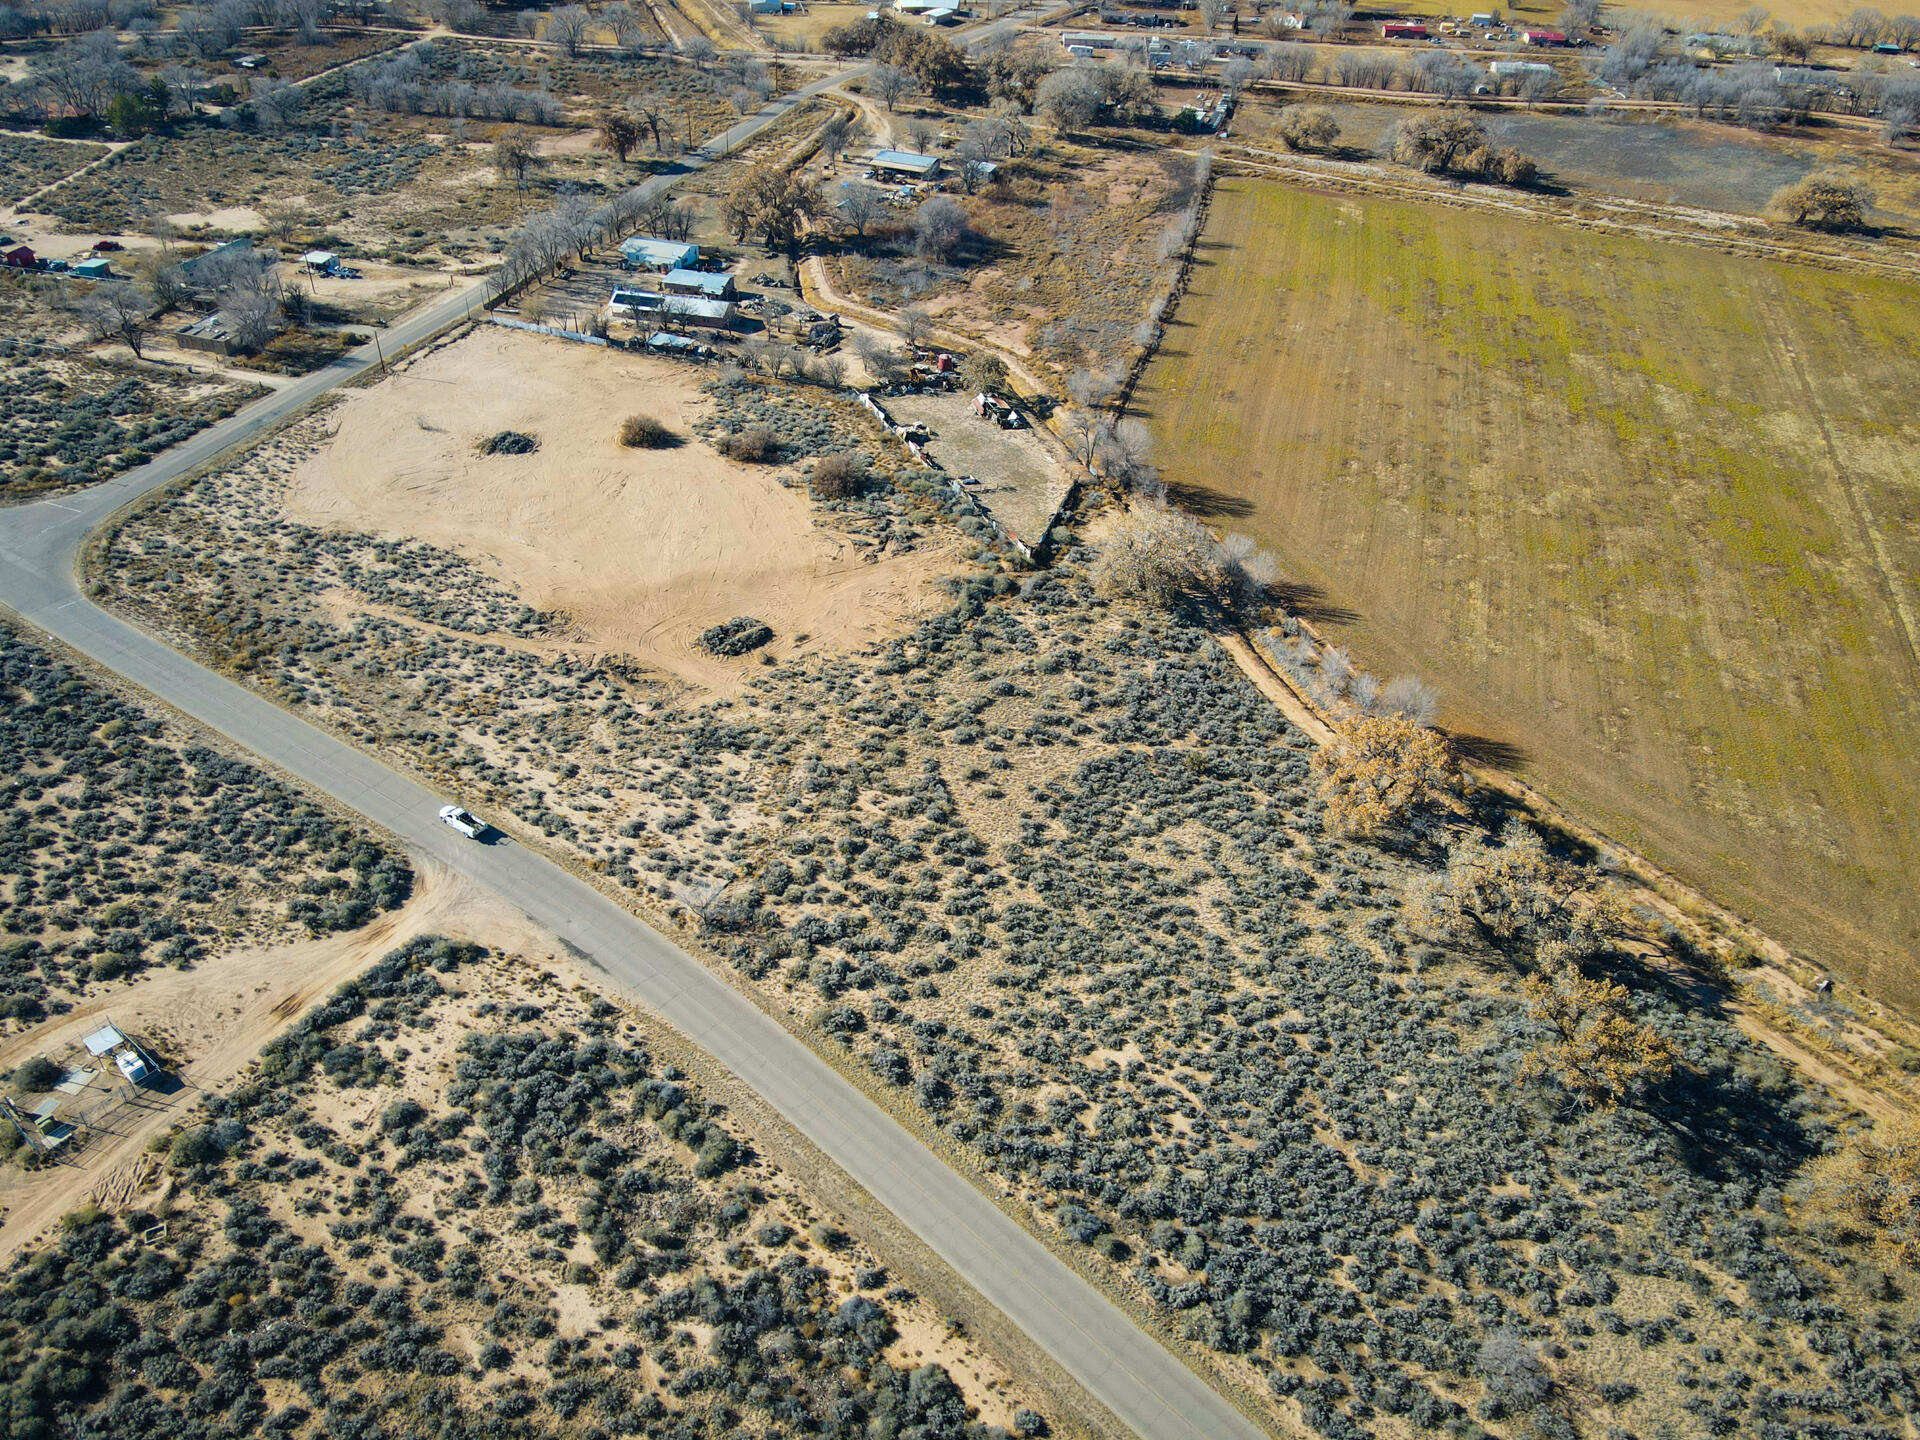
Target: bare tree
<point>891,85</point>
<point>618,133</point>
<point>119,312</point>
<point>861,205</point>
<point>1212,12</point>
<point>515,159</point>
<point>699,49</point>
<point>940,227</point>
<point>1308,127</point>
<point>566,29</point>
<point>251,317</point>
<point>915,325</point>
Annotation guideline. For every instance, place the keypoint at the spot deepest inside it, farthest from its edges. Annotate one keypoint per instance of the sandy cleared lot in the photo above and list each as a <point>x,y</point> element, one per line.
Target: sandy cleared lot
<point>1020,483</point>
<point>644,549</point>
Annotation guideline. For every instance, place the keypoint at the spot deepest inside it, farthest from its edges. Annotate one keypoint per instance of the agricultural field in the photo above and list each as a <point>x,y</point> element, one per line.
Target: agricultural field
<point>72,419</point>
<point>28,164</point>
<point>1054,878</point>
<point>1644,513</point>
<point>126,842</point>
<point>417,188</point>
<point>462,1197</point>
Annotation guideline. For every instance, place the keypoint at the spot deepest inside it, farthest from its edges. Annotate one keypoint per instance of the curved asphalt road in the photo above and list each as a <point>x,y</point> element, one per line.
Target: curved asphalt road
<point>1151,1391</point>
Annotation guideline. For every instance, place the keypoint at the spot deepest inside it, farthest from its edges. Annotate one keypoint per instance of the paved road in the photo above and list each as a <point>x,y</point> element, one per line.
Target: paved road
<point>1142,1383</point>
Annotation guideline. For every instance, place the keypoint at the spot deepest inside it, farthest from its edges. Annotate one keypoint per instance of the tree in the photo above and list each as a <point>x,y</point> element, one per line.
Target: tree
<point>984,372</point>
<point>861,205</point>
<point>1874,1183</point>
<point>515,159</point>
<point>1212,12</point>
<point>1386,776</point>
<point>165,280</point>
<point>618,133</point>
<point>1595,1046</point>
<point>775,202</point>
<point>1013,73</point>
<point>699,49</point>
<point>566,29</point>
<point>1434,142</point>
<point>251,316</point>
<point>915,325</point>
<point>119,312</point>
<point>1159,556</point>
<point>1125,453</point>
<point>1308,127</point>
<point>940,227</point>
<point>38,1074</point>
<point>892,84</point>
<point>1824,201</point>
<point>648,110</point>
<point>284,217</point>
<point>1519,895</point>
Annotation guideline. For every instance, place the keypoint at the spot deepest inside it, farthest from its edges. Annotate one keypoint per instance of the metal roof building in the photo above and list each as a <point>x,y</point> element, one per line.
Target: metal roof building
<point>905,162</point>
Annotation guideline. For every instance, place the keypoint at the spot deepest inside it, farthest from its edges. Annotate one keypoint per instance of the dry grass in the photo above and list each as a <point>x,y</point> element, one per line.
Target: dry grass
<point>1636,508</point>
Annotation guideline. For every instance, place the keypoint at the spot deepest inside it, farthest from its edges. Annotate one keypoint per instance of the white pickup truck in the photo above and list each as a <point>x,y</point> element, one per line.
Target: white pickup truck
<point>465,821</point>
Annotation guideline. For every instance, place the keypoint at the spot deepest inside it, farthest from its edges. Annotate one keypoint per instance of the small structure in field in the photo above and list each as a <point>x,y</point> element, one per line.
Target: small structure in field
<point>1518,69</point>
<point>98,268</point>
<point>699,282</point>
<point>21,257</point>
<point>647,252</point>
<point>905,162</point>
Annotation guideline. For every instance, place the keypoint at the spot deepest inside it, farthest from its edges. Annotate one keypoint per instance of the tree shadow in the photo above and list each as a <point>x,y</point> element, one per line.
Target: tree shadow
<point>1208,504</point>
<point>1309,602</point>
<point>1486,750</point>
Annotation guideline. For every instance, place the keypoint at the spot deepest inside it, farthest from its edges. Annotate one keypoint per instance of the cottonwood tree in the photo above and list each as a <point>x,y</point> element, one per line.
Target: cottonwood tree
<point>699,49</point>
<point>566,29</point>
<point>776,203</point>
<point>1308,127</point>
<point>860,206</point>
<point>940,227</point>
<point>891,85</point>
<point>1160,556</point>
<point>1013,73</point>
<point>1517,896</point>
<point>915,325</point>
<point>648,110</point>
<point>1873,1184</point>
<point>1596,1048</point>
<point>1386,777</point>
<point>119,312</point>
<point>165,279</point>
<point>618,133</point>
<point>515,159</point>
<point>251,316</point>
<point>1125,453</point>
<point>1824,202</point>
<point>984,372</point>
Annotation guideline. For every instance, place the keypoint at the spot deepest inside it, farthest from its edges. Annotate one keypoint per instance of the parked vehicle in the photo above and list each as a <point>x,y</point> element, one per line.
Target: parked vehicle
<point>465,821</point>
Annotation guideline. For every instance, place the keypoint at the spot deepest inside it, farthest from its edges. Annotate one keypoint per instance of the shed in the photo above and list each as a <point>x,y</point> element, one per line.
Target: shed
<point>1543,37</point>
<point>320,262</point>
<point>206,333</point>
<point>905,162</point>
<point>1515,69</point>
<point>21,257</point>
<point>105,1040</point>
<point>645,252</point>
<point>765,7</point>
<point>98,268</point>
<point>1481,20</point>
<point>699,282</point>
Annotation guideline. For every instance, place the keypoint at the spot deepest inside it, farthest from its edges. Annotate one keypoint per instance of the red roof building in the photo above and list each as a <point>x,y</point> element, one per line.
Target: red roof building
<point>1543,37</point>
<point>1403,30</point>
<point>21,257</point>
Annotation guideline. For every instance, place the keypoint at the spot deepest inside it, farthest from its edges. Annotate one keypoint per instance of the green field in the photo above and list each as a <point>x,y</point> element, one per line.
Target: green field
<point>1647,513</point>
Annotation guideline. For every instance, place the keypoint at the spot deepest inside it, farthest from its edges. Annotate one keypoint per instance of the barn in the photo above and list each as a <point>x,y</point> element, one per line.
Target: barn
<point>905,162</point>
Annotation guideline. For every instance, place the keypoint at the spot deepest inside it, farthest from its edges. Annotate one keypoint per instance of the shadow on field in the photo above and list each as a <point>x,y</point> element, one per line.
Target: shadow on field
<point>1485,750</point>
<point>1208,504</point>
<point>1310,602</point>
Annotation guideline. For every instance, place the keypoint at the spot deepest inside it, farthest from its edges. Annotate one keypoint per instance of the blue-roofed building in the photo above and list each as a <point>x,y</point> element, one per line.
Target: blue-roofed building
<point>905,162</point>
<point>644,252</point>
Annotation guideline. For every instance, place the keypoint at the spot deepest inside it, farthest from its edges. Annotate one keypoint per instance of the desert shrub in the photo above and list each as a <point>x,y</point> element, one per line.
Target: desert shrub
<point>37,1074</point>
<point>509,442</point>
<point>643,432</point>
<point>738,636</point>
<point>838,477</point>
<point>755,445</point>
<point>1872,1185</point>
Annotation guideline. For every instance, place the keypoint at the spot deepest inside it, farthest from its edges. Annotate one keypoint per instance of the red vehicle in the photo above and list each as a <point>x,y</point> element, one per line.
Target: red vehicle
<point>105,245</point>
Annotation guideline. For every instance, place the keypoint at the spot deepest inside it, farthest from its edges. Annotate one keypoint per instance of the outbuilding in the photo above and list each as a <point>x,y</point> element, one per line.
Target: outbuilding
<point>699,282</point>
<point>320,262</point>
<point>21,257</point>
<point>693,310</point>
<point>98,268</point>
<point>647,252</point>
<point>1543,37</point>
<point>206,333</point>
<point>905,162</point>
<point>1402,30</point>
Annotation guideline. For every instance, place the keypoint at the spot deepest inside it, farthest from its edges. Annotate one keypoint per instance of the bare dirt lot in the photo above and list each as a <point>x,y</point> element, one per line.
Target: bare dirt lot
<point>1021,485</point>
<point>1644,511</point>
<point>643,549</point>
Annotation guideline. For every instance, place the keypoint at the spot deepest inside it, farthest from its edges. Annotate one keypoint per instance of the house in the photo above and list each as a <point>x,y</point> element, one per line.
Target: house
<point>942,15</point>
<point>699,282</point>
<point>21,257</point>
<point>904,162</point>
<point>206,333</point>
<point>1091,39</point>
<point>691,310</point>
<point>645,252</point>
<point>98,268</point>
<point>1402,30</point>
<point>1482,21</point>
<point>1543,37</point>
